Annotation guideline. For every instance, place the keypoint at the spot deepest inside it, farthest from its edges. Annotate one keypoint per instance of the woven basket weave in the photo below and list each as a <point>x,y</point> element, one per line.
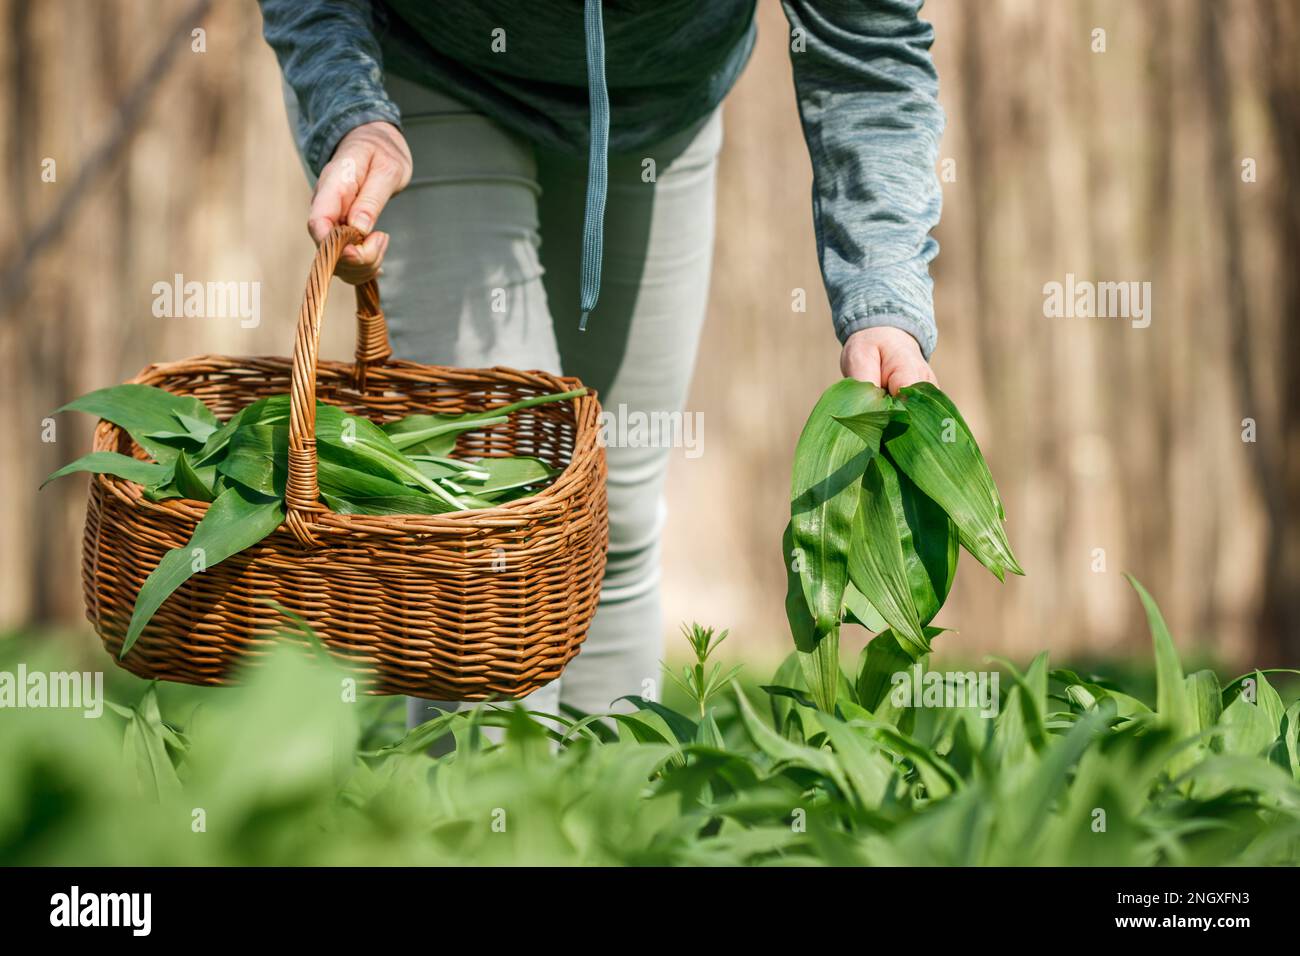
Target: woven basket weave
<point>469,606</point>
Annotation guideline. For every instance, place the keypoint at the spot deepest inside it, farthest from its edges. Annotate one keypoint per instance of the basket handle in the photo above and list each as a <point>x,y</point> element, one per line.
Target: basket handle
<point>301,491</point>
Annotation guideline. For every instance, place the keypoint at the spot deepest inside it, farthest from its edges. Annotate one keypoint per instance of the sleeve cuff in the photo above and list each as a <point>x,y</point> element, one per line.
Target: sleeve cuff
<point>921,328</point>
<point>326,140</point>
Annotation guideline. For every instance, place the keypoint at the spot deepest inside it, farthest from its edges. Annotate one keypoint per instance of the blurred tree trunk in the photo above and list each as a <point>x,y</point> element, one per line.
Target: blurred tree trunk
<point>1279,618</point>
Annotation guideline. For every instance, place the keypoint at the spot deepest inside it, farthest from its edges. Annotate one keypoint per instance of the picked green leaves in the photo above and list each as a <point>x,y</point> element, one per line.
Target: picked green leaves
<point>884,490</point>
<point>938,452</point>
<point>237,520</point>
<point>240,467</point>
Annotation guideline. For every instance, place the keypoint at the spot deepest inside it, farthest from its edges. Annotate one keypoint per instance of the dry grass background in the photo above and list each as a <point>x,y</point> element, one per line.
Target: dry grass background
<point>1123,165</point>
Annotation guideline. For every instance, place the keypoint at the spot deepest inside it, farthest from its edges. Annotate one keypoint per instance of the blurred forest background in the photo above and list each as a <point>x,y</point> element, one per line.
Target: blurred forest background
<point>1122,165</point>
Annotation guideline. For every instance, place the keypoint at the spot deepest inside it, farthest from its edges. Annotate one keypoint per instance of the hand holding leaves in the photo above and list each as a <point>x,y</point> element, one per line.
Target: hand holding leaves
<point>884,490</point>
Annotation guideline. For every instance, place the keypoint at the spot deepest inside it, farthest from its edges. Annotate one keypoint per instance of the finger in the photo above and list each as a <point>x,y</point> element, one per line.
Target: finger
<point>364,252</point>
<point>862,364</point>
<point>908,372</point>
<point>378,184</point>
<point>361,263</point>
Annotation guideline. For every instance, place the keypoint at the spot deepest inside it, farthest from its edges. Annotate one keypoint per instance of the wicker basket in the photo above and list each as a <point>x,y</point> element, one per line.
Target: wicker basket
<point>470,606</point>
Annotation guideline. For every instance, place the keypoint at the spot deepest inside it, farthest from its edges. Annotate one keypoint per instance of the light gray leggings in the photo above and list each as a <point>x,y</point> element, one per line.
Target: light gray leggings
<point>483,269</point>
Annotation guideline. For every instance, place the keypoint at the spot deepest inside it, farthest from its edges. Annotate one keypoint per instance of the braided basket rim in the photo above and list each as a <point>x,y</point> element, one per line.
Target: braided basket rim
<point>569,483</point>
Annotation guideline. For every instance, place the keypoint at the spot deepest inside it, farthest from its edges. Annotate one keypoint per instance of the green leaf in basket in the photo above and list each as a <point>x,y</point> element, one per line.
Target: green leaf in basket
<point>237,520</point>
<point>200,429</point>
<point>340,480</point>
<point>363,445</point>
<point>193,483</point>
<point>143,410</point>
<point>404,504</point>
<point>112,463</point>
<point>257,458</point>
<point>188,433</point>
<point>265,411</point>
<point>435,434</point>
<point>177,439</point>
<point>436,468</point>
<point>505,474</point>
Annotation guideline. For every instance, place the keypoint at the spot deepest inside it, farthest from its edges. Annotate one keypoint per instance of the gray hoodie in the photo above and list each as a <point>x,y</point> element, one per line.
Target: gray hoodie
<point>645,69</point>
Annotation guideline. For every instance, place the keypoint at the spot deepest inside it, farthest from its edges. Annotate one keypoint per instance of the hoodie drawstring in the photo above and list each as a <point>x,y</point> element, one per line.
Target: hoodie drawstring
<point>593,222</point>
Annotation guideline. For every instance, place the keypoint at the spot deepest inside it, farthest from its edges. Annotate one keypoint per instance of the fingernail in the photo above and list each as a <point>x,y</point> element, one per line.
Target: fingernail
<point>362,222</point>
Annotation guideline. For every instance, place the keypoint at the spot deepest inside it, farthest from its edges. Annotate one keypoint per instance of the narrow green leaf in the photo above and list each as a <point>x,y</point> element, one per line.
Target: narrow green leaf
<point>882,658</point>
<point>111,463</point>
<point>1087,695</point>
<point>859,610</point>
<point>1028,811</point>
<point>505,474</point>
<point>235,521</point>
<point>1029,697</point>
<point>200,429</point>
<point>1171,702</point>
<point>141,410</point>
<point>271,410</point>
<point>819,652</point>
<point>257,458</point>
<point>435,469</point>
<point>878,563</point>
<point>1290,738</point>
<point>1246,728</point>
<point>140,407</point>
<point>1205,699</point>
<point>927,542</point>
<point>788,753</point>
<point>192,483</point>
<point>869,424</point>
<point>867,769</point>
<point>435,434</point>
<point>684,729</point>
<point>145,740</point>
<point>938,452</point>
<point>406,504</point>
<point>709,734</point>
<point>1172,706</point>
<point>351,479</point>
<point>1263,695</point>
<point>825,487</point>
<point>356,440</point>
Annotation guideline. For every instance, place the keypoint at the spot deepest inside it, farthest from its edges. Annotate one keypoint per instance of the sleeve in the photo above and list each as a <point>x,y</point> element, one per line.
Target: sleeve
<point>868,98</point>
<point>330,57</point>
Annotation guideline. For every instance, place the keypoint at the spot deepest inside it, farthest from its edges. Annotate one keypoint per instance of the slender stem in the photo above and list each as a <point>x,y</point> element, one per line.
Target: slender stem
<point>407,439</point>
<point>536,400</point>
<point>493,416</point>
<point>425,482</point>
